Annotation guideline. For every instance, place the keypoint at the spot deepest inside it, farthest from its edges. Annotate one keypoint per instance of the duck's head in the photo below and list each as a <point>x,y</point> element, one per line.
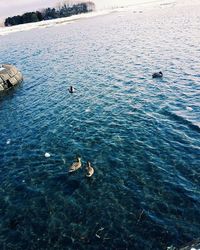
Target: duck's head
<point>161,73</point>
<point>71,89</point>
<point>78,158</point>
<point>88,164</point>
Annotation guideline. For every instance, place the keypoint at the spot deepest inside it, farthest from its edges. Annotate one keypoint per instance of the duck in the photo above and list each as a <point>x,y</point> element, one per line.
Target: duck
<point>157,75</point>
<point>71,89</point>
<point>89,169</point>
<point>75,166</point>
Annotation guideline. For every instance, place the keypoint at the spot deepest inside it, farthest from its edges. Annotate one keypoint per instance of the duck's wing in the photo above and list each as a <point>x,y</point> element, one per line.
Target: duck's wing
<point>90,172</point>
<point>73,167</point>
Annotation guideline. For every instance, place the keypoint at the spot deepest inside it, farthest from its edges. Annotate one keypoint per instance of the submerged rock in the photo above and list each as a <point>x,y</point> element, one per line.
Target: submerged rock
<point>9,76</point>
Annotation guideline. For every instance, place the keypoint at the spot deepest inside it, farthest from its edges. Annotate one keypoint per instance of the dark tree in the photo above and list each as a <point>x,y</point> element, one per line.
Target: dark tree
<point>39,16</point>
<point>51,13</point>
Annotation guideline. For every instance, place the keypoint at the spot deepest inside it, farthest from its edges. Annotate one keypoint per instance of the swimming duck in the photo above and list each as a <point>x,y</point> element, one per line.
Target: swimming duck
<point>89,169</point>
<point>75,166</point>
<point>71,89</point>
<point>157,75</point>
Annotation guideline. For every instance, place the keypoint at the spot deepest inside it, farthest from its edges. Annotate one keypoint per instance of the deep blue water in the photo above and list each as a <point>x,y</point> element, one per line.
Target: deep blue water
<point>142,135</point>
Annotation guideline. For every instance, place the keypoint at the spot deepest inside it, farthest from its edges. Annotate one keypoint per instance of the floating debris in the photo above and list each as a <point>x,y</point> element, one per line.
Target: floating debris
<point>8,141</point>
<point>171,248</point>
<point>140,216</point>
<point>63,159</point>
<point>87,110</point>
<point>98,231</point>
<point>47,155</point>
<point>189,108</point>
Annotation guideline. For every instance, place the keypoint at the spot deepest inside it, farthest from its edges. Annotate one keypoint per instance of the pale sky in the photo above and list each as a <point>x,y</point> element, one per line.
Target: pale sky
<point>14,7</point>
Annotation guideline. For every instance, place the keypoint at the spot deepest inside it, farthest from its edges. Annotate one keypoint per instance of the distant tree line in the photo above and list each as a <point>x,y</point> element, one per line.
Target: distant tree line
<point>64,10</point>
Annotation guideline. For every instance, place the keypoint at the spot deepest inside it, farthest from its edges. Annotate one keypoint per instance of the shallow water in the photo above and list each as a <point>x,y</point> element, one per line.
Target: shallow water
<point>142,135</point>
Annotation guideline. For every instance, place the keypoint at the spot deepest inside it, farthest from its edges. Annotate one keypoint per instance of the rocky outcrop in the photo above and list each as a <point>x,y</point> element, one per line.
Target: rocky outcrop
<point>9,77</point>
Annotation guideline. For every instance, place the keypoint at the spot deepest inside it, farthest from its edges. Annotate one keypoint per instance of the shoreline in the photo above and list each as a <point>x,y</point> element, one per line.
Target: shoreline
<point>68,20</point>
<point>50,23</point>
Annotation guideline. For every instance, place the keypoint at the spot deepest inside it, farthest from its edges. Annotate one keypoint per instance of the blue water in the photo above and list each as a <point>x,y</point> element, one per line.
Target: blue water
<point>142,135</point>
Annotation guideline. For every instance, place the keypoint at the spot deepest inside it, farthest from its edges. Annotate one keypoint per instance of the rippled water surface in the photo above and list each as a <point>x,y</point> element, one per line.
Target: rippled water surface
<point>142,135</point>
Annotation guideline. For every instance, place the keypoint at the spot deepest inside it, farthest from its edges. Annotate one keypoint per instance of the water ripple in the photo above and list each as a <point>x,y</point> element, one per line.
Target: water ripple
<point>141,134</point>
